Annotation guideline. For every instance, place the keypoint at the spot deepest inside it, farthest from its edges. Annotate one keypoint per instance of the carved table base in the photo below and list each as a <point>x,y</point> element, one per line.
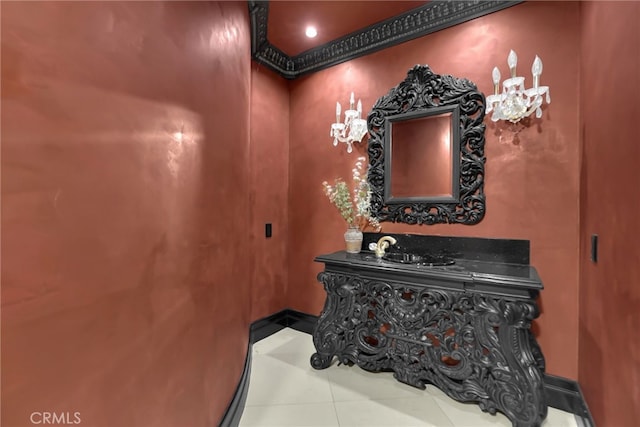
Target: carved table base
<point>474,347</point>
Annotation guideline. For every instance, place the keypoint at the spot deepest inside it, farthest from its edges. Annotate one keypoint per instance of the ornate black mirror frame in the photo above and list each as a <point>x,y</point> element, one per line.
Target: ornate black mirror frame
<point>418,95</point>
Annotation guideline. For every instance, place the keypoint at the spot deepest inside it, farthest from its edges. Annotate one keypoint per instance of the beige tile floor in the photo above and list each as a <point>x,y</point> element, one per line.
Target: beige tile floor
<point>284,390</point>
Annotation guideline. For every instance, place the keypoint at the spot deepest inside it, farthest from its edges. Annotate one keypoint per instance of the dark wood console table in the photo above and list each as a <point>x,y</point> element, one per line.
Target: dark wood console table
<point>464,328</point>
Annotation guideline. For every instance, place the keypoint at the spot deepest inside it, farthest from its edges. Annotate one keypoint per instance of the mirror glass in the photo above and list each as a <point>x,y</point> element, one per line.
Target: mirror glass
<point>426,151</point>
<point>421,157</point>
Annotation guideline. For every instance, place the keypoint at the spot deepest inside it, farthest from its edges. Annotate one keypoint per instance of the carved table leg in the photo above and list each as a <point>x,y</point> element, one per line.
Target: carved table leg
<point>515,386</point>
<point>519,386</point>
<point>334,331</point>
<point>319,361</point>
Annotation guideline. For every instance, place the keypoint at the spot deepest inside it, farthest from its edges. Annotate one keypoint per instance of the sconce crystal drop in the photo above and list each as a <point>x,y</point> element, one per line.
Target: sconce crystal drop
<point>354,127</point>
<point>515,102</point>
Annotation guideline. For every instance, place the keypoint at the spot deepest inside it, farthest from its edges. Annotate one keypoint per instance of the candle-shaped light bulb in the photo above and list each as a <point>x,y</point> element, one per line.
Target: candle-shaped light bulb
<point>359,108</point>
<point>512,60</point>
<point>495,75</point>
<point>351,101</point>
<point>536,70</point>
<point>496,79</point>
<point>338,110</point>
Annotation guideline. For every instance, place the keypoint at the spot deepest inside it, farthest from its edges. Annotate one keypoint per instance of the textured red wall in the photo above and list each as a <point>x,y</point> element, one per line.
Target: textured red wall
<point>609,362</point>
<point>532,174</point>
<point>269,189</point>
<point>124,283</point>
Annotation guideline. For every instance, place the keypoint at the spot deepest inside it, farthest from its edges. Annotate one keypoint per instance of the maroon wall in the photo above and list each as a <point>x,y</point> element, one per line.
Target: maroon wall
<point>609,362</point>
<point>532,172</point>
<point>269,189</point>
<point>127,268</point>
<point>124,283</point>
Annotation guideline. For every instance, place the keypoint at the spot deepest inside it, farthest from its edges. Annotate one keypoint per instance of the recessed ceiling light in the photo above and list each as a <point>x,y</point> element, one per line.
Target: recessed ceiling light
<point>311,31</point>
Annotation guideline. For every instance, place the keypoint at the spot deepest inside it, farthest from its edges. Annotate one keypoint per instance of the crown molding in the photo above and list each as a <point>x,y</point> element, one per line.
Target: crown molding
<point>434,16</point>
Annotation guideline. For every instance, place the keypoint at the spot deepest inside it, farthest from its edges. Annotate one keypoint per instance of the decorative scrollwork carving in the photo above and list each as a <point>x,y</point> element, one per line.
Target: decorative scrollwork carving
<point>433,16</point>
<point>474,347</point>
<point>421,90</point>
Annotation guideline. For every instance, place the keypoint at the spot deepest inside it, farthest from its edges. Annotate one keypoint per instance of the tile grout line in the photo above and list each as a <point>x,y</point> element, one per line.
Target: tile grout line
<point>333,399</point>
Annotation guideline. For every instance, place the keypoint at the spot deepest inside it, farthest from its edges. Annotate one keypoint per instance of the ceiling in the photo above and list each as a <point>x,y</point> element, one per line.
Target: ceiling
<point>348,29</point>
<point>333,19</point>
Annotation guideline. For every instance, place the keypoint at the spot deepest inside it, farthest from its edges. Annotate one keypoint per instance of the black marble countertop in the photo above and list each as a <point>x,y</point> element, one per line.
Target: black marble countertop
<point>512,251</point>
<point>464,274</point>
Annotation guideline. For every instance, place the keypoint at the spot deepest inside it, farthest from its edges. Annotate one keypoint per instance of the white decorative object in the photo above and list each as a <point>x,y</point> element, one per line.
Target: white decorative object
<point>515,102</point>
<point>354,127</point>
<point>353,240</point>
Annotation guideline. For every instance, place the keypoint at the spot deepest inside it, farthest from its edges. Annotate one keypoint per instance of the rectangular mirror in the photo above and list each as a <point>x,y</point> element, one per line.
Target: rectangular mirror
<point>421,156</point>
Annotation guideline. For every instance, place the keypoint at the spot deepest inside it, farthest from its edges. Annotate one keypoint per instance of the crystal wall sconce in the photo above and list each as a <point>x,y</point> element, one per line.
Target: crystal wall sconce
<point>354,127</point>
<point>515,102</point>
